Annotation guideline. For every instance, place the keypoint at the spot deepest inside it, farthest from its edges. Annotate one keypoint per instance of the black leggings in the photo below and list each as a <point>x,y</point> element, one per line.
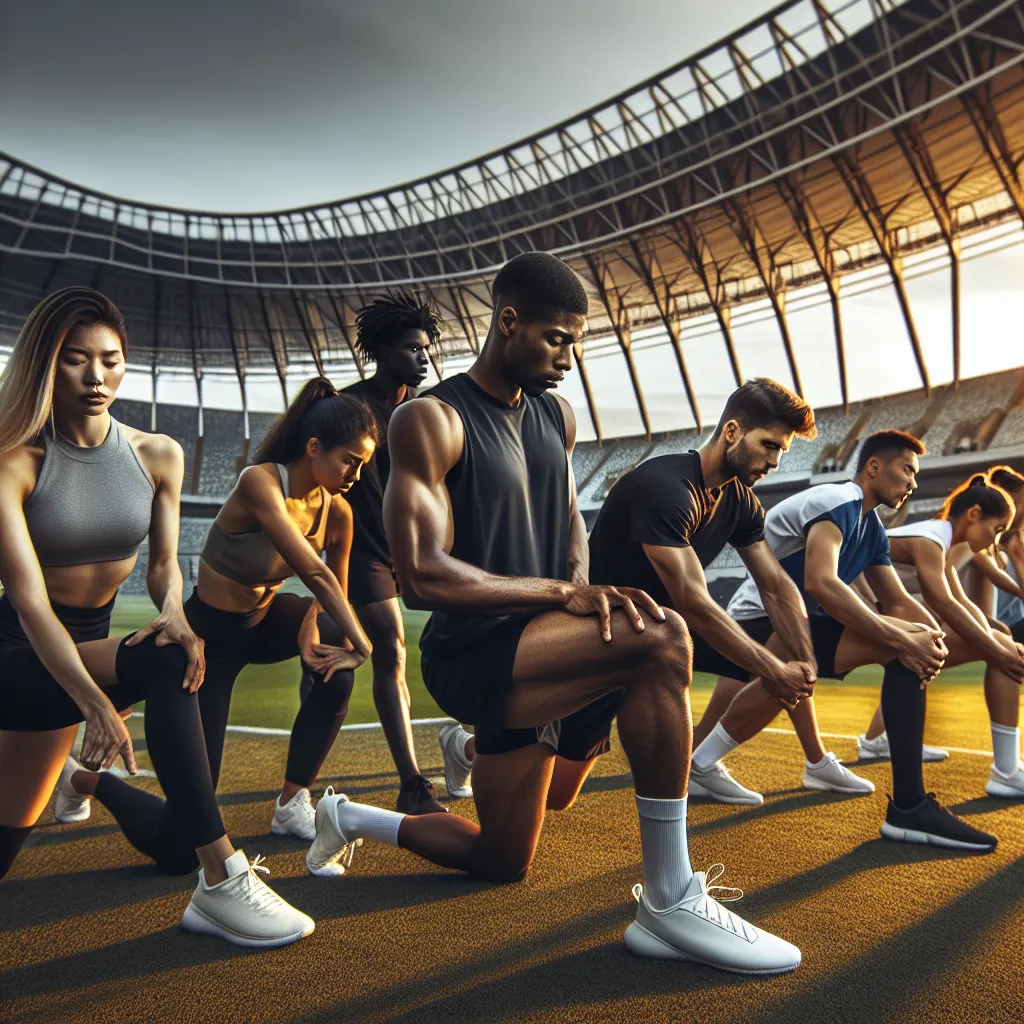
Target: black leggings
<point>31,700</point>
<point>148,822</point>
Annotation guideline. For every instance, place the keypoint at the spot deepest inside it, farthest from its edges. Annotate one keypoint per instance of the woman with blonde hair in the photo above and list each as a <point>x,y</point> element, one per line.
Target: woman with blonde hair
<point>79,492</point>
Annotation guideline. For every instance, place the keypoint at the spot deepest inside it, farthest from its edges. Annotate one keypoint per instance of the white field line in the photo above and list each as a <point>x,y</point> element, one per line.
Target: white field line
<point>256,730</point>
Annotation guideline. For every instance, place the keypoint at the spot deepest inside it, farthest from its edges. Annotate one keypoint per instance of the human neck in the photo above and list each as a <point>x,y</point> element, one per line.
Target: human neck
<point>84,431</point>
<point>385,382</point>
<point>713,466</point>
<point>488,373</point>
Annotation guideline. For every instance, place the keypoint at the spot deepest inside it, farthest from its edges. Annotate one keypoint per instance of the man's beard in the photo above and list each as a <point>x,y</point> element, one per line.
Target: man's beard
<point>738,463</point>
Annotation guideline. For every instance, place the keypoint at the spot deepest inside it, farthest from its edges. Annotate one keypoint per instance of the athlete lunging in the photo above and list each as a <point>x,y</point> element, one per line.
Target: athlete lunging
<point>481,518</point>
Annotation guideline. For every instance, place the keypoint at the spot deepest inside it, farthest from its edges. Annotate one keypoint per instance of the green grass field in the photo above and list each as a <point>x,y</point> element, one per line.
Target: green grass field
<point>268,695</point>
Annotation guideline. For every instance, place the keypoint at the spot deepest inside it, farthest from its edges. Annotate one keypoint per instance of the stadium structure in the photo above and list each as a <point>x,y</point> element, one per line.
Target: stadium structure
<point>830,149</point>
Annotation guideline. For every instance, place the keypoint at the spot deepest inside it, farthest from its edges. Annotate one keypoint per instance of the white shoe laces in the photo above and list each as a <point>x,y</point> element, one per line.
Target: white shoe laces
<point>709,906</point>
<point>258,894</point>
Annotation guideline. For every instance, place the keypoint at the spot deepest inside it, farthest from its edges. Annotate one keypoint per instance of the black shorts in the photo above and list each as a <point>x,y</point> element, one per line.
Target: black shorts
<point>369,580</point>
<point>826,633</point>
<point>471,685</point>
<point>1017,632</point>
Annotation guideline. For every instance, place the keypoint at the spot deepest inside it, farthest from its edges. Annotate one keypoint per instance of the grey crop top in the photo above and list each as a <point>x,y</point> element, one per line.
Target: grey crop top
<point>89,504</point>
<point>249,557</point>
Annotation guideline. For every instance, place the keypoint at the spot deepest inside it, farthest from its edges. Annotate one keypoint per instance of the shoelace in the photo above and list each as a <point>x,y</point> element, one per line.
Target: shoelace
<point>262,897</point>
<point>709,906</point>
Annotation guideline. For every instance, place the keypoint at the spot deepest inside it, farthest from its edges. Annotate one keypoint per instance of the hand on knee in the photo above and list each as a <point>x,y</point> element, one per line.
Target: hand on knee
<point>156,665</point>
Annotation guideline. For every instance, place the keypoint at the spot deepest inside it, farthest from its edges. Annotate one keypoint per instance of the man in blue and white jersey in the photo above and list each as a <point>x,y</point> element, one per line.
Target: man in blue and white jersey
<point>825,537</point>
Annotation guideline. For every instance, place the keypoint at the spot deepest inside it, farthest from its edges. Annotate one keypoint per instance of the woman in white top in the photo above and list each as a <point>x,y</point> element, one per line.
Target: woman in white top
<point>925,556</point>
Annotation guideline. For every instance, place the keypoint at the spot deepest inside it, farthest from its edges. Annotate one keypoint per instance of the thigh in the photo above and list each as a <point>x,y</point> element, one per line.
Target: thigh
<point>383,624</point>
<point>562,663</point>
<point>30,763</point>
<point>276,636</point>
<point>856,649</point>
<point>510,791</point>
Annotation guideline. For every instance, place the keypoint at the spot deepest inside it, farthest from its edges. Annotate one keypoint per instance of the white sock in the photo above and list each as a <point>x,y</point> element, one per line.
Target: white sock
<point>460,749</point>
<point>667,870</point>
<point>816,764</point>
<point>713,749</point>
<point>1006,747</point>
<point>363,821</point>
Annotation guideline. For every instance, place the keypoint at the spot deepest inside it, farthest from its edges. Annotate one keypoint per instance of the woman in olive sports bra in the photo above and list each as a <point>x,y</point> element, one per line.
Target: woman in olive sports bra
<point>285,517</point>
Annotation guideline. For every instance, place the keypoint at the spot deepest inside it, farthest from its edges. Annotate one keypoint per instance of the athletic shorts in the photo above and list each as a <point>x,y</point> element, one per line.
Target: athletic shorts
<point>825,635</point>
<point>471,685</point>
<point>369,581</point>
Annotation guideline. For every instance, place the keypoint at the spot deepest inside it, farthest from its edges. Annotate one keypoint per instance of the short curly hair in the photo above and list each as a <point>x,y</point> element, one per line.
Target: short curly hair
<point>540,287</point>
<point>386,319</point>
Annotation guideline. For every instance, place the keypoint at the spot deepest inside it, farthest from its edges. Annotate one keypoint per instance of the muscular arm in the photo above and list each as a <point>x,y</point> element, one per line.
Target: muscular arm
<point>781,599</point>
<point>263,498</point>
<point>425,440</point>
<point>681,572</point>
<point>986,563</point>
<point>23,582</point>
<point>822,582</point>
<point>579,549</point>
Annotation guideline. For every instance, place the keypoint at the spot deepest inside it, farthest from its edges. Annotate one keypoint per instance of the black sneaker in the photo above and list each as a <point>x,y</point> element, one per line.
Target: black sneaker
<point>417,797</point>
<point>930,824</point>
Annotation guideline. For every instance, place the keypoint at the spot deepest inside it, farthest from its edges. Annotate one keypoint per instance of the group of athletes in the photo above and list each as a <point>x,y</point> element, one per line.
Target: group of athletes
<point>539,637</point>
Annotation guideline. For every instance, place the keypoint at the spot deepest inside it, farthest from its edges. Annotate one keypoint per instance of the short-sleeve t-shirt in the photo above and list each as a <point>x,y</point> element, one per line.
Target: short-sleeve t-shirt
<point>665,502</point>
<point>786,526</point>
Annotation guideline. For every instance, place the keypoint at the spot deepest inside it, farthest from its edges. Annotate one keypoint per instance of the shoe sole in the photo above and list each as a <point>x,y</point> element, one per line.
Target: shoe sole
<point>195,921</point>
<point>458,792</point>
<point>909,835</point>
<point>1000,789</point>
<point>933,758</point>
<point>277,830</point>
<point>825,787</point>
<point>72,819</point>
<point>736,801</point>
<point>641,942</point>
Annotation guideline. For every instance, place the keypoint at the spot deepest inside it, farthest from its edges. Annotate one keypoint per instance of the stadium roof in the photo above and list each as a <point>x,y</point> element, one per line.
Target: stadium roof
<point>830,145</point>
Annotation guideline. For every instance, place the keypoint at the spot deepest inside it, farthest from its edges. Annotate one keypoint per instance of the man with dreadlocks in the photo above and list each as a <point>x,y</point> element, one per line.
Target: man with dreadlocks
<point>394,331</point>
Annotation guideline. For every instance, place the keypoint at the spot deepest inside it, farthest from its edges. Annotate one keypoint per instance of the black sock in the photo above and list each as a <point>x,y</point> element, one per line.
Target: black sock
<point>11,839</point>
<point>903,710</point>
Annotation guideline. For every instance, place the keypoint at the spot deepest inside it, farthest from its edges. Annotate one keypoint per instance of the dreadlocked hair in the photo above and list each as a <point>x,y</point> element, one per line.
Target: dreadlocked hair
<point>316,411</point>
<point>387,318</point>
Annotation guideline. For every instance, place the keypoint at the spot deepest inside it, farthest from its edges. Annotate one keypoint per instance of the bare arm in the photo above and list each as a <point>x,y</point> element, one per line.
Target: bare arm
<point>579,549</point>
<point>425,440</point>
<point>106,735</point>
<point>262,496</point>
<point>822,582</point>
<point>782,601</point>
<point>986,563</point>
<point>681,572</point>
<point>166,463</point>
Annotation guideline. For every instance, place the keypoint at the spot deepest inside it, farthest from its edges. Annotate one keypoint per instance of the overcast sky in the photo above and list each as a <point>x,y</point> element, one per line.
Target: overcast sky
<point>262,104</point>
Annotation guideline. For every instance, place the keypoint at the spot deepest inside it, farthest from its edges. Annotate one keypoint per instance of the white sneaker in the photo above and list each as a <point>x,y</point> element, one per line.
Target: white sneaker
<point>878,749</point>
<point>717,784</point>
<point>699,928</point>
<point>457,769</point>
<point>70,806</point>
<point>295,818</point>
<point>244,910</point>
<point>833,775</point>
<point>1011,786</point>
<point>331,852</point>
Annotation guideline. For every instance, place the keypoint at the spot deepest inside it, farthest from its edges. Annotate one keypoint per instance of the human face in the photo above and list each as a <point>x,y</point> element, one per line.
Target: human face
<point>893,479</point>
<point>407,360</point>
<point>752,454</point>
<point>983,531</point>
<point>337,469</point>
<point>90,368</point>
<point>538,355</point>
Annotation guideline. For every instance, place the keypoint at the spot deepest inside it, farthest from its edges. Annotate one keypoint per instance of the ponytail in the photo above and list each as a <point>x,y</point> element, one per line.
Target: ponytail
<point>1008,478</point>
<point>316,411</point>
<point>980,491</point>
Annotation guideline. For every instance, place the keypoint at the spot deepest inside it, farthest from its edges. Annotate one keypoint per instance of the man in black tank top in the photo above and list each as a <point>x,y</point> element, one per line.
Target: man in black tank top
<point>395,332</point>
<point>481,516</point>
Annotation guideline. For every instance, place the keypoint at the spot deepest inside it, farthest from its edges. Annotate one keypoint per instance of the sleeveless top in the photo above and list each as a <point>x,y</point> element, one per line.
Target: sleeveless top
<point>249,556</point>
<point>940,531</point>
<point>367,495</point>
<point>89,504</point>
<point>509,494</point>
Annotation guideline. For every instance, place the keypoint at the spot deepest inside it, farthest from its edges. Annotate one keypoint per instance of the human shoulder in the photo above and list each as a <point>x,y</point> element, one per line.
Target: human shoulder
<point>569,419</point>
<point>160,454</point>
<point>425,431</point>
<point>19,469</point>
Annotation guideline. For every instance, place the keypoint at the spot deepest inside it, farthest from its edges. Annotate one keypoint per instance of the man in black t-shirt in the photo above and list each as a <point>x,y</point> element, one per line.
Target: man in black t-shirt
<point>396,332</point>
<point>665,521</point>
